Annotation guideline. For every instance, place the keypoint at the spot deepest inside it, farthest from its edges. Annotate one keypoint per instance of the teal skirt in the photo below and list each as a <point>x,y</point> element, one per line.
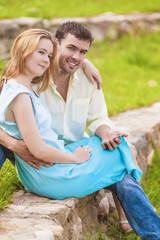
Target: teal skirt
<point>61,181</point>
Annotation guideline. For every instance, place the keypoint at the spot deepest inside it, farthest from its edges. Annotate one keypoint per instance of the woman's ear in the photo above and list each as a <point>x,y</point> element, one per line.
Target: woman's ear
<point>55,40</point>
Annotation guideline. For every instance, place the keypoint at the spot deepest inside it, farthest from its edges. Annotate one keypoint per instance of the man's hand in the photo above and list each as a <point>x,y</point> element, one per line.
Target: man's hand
<point>92,73</point>
<point>23,152</point>
<point>111,139</point>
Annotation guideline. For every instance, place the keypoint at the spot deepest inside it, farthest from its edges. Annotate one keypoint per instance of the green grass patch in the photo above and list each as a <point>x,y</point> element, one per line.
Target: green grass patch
<point>130,70</point>
<point>2,65</point>
<point>8,183</point>
<point>65,8</point>
<point>151,182</point>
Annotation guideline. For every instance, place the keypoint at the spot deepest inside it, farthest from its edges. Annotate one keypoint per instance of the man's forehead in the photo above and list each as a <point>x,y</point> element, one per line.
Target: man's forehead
<point>71,39</point>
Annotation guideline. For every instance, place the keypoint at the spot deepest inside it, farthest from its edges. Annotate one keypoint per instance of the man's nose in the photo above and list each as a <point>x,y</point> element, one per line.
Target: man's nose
<point>76,55</point>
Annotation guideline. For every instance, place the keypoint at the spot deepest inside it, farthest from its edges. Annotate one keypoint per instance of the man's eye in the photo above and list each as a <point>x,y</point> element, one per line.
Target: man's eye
<point>71,48</point>
<point>84,52</point>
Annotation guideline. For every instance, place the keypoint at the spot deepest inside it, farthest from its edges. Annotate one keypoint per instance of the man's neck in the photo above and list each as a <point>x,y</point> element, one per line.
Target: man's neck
<point>62,82</point>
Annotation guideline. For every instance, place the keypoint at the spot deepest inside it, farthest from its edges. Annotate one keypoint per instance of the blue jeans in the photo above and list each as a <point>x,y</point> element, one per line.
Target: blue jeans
<point>2,157</point>
<point>137,207</point>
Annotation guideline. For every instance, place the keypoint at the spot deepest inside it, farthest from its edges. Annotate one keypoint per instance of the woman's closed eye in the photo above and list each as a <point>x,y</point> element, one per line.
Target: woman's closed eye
<point>42,52</point>
<point>50,56</point>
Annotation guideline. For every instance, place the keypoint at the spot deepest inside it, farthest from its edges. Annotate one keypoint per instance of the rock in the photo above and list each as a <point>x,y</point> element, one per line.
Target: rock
<point>103,208</point>
<point>105,25</point>
<point>142,125</point>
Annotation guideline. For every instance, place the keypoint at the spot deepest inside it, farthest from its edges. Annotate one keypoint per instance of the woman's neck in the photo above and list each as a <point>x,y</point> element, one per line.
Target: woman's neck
<point>23,80</point>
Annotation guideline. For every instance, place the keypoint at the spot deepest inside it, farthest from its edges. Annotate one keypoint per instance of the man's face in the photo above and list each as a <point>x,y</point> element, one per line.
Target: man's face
<point>71,52</point>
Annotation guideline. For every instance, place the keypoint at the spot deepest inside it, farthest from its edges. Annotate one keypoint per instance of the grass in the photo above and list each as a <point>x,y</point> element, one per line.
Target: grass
<point>151,182</point>
<point>2,64</point>
<point>8,183</point>
<point>50,9</point>
<point>130,70</point>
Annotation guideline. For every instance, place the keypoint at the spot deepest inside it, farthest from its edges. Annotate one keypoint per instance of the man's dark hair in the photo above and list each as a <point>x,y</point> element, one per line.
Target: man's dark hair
<point>76,29</point>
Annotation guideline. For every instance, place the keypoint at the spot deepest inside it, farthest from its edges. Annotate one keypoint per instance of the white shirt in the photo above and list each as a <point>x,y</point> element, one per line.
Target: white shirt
<point>85,106</point>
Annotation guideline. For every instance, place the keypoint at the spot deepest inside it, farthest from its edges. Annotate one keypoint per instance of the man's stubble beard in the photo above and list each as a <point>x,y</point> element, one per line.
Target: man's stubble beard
<point>66,70</point>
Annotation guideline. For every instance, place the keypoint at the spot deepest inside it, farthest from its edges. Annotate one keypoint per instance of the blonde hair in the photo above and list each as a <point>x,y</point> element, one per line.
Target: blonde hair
<point>24,45</point>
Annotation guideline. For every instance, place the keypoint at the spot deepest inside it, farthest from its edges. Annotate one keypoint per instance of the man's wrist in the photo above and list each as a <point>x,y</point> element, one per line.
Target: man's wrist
<point>102,131</point>
<point>12,146</point>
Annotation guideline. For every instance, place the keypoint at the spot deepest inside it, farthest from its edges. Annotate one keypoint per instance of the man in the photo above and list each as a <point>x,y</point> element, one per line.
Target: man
<point>70,108</point>
<point>75,103</point>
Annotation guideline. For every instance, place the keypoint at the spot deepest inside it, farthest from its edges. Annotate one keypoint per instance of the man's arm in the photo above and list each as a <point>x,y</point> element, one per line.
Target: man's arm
<point>19,148</point>
<point>92,73</point>
<point>98,122</point>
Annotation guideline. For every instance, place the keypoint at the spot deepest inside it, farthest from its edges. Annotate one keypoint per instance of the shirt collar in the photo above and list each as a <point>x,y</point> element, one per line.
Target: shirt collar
<point>73,79</point>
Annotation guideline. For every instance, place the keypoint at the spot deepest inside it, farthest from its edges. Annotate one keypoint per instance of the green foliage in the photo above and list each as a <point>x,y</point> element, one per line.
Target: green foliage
<point>2,65</point>
<point>65,8</point>
<point>130,70</point>
<point>151,182</point>
<point>8,183</point>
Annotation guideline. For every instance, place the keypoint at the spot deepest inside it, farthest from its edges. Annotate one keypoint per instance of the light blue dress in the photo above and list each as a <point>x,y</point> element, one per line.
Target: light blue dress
<point>61,181</point>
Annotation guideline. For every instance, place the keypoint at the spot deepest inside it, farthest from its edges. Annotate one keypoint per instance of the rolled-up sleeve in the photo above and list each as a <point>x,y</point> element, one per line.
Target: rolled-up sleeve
<point>97,114</point>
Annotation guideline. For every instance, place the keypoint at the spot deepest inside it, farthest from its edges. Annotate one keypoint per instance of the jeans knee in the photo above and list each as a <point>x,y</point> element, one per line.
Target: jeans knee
<point>126,184</point>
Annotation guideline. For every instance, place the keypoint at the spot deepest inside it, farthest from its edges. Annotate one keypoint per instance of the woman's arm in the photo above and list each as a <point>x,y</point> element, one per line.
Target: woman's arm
<point>21,108</point>
<point>92,73</point>
<point>20,148</point>
<point>7,141</point>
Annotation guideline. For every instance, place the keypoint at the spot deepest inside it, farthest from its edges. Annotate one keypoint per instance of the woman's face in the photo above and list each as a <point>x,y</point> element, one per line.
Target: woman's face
<point>38,62</point>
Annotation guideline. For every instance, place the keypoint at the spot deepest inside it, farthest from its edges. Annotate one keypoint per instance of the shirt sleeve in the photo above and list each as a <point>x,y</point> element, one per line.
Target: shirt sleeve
<point>97,114</point>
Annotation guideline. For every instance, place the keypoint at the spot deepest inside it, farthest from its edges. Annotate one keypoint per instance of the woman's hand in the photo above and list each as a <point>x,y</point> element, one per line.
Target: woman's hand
<point>82,154</point>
